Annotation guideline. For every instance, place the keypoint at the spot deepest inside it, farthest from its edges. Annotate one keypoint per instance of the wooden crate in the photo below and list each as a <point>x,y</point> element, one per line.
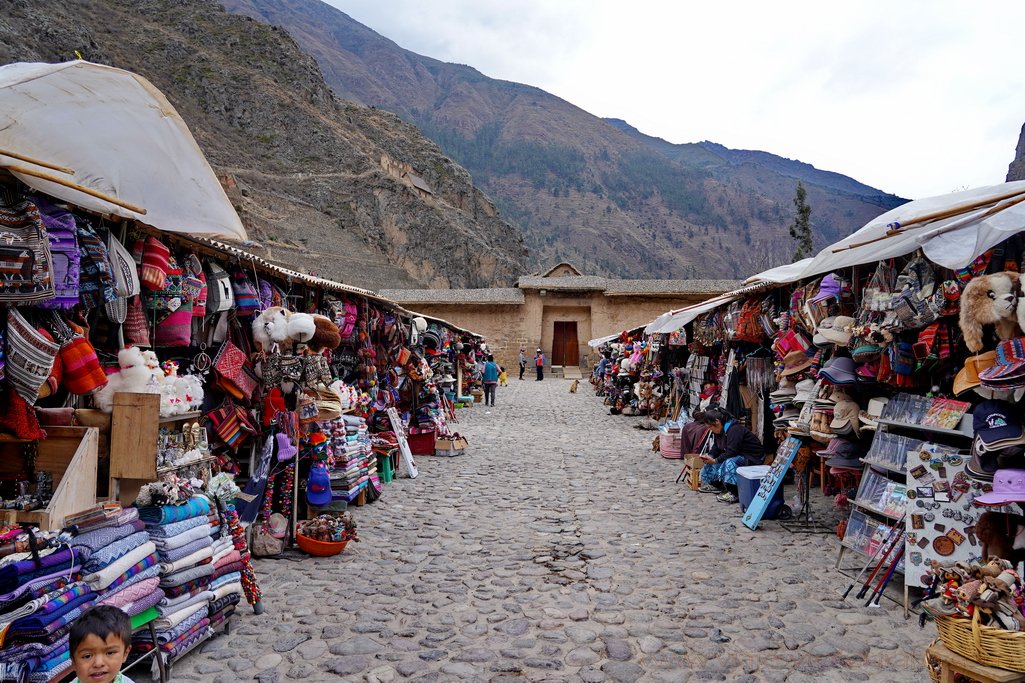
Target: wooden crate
<point>69,454</point>
<point>134,431</point>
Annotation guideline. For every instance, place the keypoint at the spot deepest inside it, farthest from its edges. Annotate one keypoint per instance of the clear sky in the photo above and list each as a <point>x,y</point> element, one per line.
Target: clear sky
<point>914,97</point>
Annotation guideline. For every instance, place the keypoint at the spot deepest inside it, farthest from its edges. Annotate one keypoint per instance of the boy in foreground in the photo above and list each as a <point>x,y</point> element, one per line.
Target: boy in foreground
<point>100,642</point>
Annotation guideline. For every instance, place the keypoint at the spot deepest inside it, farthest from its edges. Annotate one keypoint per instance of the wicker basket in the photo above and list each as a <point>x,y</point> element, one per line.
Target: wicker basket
<point>932,665</point>
<point>983,644</point>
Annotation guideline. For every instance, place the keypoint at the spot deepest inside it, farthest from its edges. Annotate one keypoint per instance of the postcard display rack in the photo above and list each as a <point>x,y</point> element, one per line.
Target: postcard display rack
<point>908,470</point>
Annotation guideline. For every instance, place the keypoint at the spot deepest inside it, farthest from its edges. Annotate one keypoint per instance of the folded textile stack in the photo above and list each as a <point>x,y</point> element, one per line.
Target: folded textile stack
<point>355,461</point>
<point>184,549</point>
<point>106,556</point>
<point>197,566</point>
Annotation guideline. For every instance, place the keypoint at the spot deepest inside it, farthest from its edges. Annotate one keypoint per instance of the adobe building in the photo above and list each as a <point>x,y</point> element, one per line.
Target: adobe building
<point>558,311</point>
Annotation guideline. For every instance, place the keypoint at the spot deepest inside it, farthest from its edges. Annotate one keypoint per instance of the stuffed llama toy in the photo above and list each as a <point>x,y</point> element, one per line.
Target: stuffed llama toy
<point>135,376</point>
<point>271,328</point>
<point>991,300</point>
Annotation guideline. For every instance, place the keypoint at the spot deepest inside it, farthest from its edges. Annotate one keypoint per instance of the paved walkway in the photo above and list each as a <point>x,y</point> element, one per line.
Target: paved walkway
<point>560,549</point>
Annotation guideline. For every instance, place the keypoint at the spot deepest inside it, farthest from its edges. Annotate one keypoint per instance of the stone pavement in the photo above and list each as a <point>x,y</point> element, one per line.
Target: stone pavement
<point>559,548</point>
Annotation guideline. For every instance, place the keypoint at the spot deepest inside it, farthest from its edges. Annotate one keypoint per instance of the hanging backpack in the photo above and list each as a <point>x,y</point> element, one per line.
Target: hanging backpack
<point>96,283</point>
<point>64,256</point>
<point>25,265</point>
<point>247,298</point>
<point>219,295</point>
<point>170,310</point>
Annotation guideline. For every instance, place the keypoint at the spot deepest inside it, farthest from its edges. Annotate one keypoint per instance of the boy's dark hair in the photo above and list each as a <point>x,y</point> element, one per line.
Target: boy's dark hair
<point>101,621</point>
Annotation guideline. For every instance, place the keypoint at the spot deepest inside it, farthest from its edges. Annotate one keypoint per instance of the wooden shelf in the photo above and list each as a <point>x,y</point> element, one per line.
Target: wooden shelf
<point>201,461</point>
<point>884,466</point>
<point>924,428</point>
<point>872,508</point>
<point>191,415</point>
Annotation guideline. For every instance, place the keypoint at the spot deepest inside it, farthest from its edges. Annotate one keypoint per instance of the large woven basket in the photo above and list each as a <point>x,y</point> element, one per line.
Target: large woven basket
<point>932,665</point>
<point>983,644</point>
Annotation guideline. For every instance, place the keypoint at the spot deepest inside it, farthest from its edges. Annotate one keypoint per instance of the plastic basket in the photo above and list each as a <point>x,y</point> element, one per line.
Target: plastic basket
<point>320,548</point>
<point>983,644</point>
<point>421,444</point>
<point>670,445</point>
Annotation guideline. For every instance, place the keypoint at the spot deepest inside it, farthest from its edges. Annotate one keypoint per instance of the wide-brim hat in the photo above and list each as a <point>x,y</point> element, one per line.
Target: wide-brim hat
<point>1008,487</point>
<point>805,391</point>
<point>836,330</point>
<point>1009,370</point>
<point>872,413</point>
<point>795,362</point>
<point>839,370</point>
<point>968,377</point>
<point>787,417</point>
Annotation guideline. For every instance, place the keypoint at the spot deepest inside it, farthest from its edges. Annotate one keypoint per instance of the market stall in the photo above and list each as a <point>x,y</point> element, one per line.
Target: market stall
<point>889,368</point>
<point>173,405</point>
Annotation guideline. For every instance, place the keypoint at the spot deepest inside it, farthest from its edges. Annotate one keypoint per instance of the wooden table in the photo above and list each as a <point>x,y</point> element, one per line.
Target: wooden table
<point>952,663</point>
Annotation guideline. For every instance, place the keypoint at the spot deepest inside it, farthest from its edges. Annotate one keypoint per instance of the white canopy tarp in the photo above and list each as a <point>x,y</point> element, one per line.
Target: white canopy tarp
<point>789,272</point>
<point>952,241</point>
<point>594,343</point>
<point>120,136</point>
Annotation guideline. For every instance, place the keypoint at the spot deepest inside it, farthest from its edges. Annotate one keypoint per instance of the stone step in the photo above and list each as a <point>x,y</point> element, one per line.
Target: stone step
<point>572,373</point>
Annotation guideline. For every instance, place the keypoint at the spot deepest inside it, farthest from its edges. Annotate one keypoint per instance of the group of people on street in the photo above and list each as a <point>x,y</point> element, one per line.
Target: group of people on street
<point>492,374</point>
<point>539,364</point>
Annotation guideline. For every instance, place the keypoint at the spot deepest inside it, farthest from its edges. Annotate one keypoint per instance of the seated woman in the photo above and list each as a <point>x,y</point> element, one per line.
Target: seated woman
<point>733,446</point>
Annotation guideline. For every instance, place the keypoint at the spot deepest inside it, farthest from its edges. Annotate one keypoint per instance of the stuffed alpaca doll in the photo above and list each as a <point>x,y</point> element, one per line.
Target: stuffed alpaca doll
<point>991,300</point>
<point>270,328</point>
<point>135,376</point>
<point>301,327</point>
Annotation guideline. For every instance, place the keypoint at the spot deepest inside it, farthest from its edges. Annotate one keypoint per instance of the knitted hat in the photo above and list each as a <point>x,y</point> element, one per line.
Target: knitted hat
<point>155,263</point>
<point>286,449</point>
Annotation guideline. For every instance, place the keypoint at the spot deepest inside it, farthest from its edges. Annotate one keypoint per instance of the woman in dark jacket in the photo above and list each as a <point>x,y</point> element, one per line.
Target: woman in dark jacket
<point>733,446</point>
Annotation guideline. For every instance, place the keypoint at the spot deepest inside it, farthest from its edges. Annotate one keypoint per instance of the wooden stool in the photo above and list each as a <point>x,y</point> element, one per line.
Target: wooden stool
<point>952,663</point>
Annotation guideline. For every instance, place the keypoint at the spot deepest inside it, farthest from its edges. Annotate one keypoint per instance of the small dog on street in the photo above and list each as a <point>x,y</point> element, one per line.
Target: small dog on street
<point>573,387</point>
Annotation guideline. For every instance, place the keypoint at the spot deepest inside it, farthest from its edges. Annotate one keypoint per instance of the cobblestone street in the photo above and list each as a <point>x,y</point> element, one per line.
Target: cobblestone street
<point>560,548</point>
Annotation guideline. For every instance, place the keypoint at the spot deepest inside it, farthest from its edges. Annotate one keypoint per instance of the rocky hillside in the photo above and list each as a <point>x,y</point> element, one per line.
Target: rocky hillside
<point>316,178</point>
<point>1016,170</point>
<point>595,192</point>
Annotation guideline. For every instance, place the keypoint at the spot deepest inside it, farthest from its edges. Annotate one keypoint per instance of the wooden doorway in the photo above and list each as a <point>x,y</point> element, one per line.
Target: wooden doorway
<point>565,349</point>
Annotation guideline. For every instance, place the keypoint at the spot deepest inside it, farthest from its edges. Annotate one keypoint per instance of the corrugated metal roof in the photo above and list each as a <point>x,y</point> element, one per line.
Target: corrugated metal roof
<point>498,295</point>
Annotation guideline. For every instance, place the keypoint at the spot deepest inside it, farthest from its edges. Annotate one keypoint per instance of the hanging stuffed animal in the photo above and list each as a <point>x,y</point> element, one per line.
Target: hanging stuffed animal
<point>301,327</point>
<point>991,300</point>
<point>326,336</point>
<point>270,328</point>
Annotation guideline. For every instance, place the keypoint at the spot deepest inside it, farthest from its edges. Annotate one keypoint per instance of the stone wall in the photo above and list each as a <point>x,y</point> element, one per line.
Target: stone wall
<point>510,327</point>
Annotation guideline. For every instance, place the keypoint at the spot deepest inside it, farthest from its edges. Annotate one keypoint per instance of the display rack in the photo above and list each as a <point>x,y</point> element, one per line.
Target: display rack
<point>883,497</point>
<point>134,435</point>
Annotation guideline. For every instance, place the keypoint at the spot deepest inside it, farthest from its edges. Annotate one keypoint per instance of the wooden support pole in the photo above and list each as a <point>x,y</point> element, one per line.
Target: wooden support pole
<point>74,186</point>
<point>37,162</point>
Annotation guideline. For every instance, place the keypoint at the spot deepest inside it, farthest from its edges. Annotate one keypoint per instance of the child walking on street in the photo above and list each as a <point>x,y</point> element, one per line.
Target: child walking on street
<point>503,377</point>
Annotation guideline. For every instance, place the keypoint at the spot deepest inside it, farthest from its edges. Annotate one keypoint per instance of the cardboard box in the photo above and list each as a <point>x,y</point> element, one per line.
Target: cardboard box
<point>450,447</point>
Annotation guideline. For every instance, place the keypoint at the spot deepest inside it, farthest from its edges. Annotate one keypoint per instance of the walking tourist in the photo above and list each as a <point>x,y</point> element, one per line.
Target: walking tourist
<point>523,363</point>
<point>539,363</point>
<point>490,379</point>
<point>733,446</point>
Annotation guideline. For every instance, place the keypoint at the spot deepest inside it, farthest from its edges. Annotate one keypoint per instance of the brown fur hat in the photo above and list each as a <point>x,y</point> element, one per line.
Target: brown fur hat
<point>326,336</point>
<point>990,300</point>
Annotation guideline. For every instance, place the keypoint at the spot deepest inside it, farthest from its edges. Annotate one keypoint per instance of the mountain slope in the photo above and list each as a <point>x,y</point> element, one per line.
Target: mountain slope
<point>582,189</point>
<point>316,186</point>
